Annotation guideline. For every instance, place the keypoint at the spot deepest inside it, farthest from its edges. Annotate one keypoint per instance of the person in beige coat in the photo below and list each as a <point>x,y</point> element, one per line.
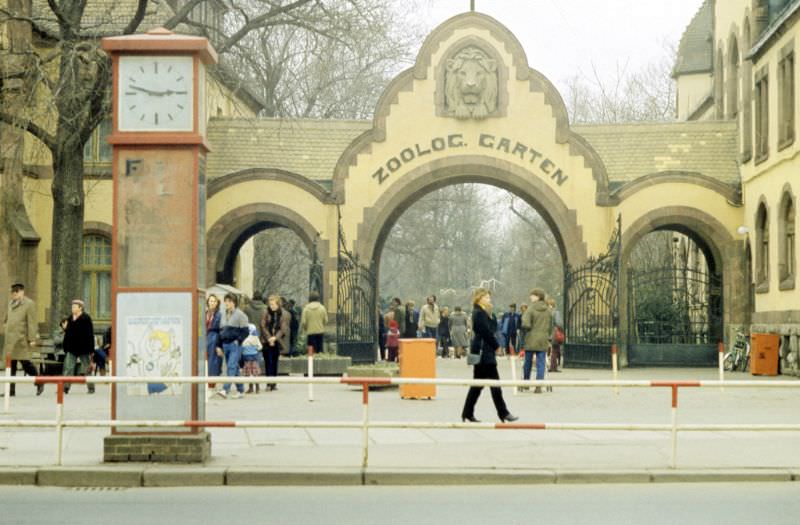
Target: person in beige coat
<point>19,327</point>
<point>312,322</point>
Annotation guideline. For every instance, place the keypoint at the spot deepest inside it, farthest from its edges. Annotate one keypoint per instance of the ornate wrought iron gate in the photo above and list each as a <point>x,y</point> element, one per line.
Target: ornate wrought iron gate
<point>674,317</point>
<point>356,318</point>
<point>591,306</point>
<point>315,273</point>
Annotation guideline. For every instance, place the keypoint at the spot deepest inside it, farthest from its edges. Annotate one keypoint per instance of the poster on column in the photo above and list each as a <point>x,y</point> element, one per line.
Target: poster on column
<point>154,348</point>
<point>153,338</point>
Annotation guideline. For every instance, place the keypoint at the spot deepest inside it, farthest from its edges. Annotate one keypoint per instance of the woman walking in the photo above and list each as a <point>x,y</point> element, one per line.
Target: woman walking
<point>213,345</point>
<point>275,336</point>
<point>459,331</point>
<point>484,325</point>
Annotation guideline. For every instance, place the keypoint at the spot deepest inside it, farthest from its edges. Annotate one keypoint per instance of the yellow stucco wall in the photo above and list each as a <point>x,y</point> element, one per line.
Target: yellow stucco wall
<point>692,90</point>
<point>770,186</point>
<point>679,194</point>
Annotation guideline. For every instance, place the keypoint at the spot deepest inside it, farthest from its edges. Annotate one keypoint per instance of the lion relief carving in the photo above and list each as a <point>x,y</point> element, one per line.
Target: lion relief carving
<point>471,84</point>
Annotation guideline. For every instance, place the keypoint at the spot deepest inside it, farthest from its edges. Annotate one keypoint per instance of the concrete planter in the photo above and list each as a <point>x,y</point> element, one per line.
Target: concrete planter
<point>323,366</point>
<point>374,371</point>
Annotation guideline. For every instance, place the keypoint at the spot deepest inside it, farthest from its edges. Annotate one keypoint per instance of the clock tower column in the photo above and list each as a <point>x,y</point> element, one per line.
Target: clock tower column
<point>158,245</point>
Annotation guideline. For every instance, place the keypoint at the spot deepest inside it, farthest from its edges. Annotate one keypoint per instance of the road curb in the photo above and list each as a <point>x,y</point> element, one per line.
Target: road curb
<point>243,476</point>
<point>168,476</point>
<point>458,477</point>
<point>18,475</point>
<point>90,476</point>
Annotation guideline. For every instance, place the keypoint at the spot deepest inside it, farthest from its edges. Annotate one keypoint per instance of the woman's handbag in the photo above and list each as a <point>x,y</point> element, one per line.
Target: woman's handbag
<point>473,359</point>
<point>558,335</point>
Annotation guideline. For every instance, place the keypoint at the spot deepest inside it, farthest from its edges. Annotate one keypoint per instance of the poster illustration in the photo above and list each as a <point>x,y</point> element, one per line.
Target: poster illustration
<point>153,346</point>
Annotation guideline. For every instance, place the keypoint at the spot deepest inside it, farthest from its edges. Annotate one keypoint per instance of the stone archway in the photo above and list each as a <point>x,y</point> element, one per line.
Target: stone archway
<point>232,230</point>
<point>722,252</point>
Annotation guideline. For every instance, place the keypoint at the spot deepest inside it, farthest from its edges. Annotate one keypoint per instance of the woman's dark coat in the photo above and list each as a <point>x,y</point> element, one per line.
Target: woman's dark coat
<point>484,342</point>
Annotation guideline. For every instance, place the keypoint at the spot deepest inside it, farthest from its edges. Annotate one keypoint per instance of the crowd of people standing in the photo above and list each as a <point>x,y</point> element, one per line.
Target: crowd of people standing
<point>251,340</point>
<point>453,331</point>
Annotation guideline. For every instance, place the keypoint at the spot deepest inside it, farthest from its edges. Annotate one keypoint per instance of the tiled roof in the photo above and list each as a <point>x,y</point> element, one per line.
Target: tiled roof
<point>630,151</point>
<point>105,17</point>
<point>696,50</point>
<point>307,147</point>
<point>312,147</point>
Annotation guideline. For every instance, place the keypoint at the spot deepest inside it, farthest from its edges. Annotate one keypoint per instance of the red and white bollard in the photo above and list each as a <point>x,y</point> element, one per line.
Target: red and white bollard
<point>311,372</point>
<point>512,363</point>
<point>7,387</point>
<point>614,366</point>
<point>721,353</point>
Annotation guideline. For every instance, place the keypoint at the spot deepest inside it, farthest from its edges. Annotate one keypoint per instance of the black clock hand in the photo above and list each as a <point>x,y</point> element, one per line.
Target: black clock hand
<point>150,91</point>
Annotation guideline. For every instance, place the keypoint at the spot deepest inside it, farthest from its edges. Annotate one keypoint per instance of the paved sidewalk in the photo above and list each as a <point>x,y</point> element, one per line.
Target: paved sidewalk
<point>333,456</point>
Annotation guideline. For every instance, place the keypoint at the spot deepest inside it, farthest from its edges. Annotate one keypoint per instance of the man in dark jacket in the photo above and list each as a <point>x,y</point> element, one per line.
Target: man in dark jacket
<point>78,344</point>
<point>511,322</point>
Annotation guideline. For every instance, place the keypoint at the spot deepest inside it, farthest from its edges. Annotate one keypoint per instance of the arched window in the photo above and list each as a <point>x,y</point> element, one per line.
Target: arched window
<point>96,268</point>
<point>733,78</point>
<point>747,98</point>
<point>762,249</point>
<point>786,250</point>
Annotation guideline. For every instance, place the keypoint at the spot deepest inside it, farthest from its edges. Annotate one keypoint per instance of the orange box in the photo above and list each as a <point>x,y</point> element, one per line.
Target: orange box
<point>764,354</point>
<point>417,359</point>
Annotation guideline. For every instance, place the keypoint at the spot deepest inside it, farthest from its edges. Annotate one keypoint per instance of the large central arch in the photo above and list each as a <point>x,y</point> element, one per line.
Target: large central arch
<point>379,219</point>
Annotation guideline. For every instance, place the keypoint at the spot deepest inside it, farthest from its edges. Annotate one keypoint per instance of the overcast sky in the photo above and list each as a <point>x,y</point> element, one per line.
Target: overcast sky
<point>565,37</point>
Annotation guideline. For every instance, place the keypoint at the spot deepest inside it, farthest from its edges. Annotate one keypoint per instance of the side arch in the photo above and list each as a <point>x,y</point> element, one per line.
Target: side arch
<point>724,253</point>
<point>231,231</point>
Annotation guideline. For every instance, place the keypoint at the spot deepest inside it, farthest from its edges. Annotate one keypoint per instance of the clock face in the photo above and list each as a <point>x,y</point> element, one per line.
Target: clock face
<point>155,93</point>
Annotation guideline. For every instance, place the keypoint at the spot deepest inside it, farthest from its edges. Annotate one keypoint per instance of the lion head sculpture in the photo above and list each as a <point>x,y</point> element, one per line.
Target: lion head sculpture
<point>471,84</point>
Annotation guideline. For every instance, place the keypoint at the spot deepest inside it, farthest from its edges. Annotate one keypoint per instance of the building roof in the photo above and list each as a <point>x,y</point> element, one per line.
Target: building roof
<point>312,148</point>
<point>110,17</point>
<point>631,151</point>
<point>696,49</point>
<point>307,147</point>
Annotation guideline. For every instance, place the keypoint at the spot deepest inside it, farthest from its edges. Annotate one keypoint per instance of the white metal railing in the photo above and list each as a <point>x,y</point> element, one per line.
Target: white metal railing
<point>365,424</point>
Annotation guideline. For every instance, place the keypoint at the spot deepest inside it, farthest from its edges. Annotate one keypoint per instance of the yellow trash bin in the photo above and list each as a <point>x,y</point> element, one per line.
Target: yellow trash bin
<point>417,359</point>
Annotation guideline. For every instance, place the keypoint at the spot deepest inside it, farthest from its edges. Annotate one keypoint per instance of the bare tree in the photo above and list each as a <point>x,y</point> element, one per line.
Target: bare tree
<point>74,76</point>
<point>281,264</point>
<point>647,94</point>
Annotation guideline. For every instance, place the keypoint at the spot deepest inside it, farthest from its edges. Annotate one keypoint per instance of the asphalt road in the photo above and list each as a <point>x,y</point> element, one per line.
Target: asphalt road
<point>653,504</point>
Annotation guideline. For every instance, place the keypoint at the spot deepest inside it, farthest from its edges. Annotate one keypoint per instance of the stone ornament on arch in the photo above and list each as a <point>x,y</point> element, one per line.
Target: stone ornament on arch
<point>470,82</point>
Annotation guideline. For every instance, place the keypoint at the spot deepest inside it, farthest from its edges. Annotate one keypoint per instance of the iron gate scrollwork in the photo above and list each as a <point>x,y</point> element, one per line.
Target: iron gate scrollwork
<point>675,316</point>
<point>591,320</point>
<point>315,273</point>
<point>356,319</point>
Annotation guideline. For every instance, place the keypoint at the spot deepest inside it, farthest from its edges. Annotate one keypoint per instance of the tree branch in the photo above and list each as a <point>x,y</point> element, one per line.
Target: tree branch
<point>133,25</point>
<point>31,127</point>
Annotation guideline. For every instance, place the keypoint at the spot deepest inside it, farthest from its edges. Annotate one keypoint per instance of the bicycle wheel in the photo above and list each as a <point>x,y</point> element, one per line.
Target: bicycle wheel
<point>727,362</point>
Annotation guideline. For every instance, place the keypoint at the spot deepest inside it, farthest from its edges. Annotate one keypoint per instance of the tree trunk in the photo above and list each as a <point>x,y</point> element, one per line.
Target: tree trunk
<point>68,194</point>
<point>66,252</point>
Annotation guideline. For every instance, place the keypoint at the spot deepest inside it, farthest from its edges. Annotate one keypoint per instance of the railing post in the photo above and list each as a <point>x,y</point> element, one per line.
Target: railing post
<point>614,366</point>
<point>59,420</point>
<point>674,432</point>
<point>7,387</point>
<point>721,359</point>
<point>310,349</point>
<point>512,362</point>
<point>365,425</point>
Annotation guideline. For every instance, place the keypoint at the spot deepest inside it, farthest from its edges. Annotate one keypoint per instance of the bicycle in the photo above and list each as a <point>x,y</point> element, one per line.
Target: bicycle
<point>739,356</point>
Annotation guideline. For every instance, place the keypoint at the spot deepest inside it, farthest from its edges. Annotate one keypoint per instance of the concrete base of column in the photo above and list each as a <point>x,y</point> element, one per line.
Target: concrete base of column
<point>191,448</point>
